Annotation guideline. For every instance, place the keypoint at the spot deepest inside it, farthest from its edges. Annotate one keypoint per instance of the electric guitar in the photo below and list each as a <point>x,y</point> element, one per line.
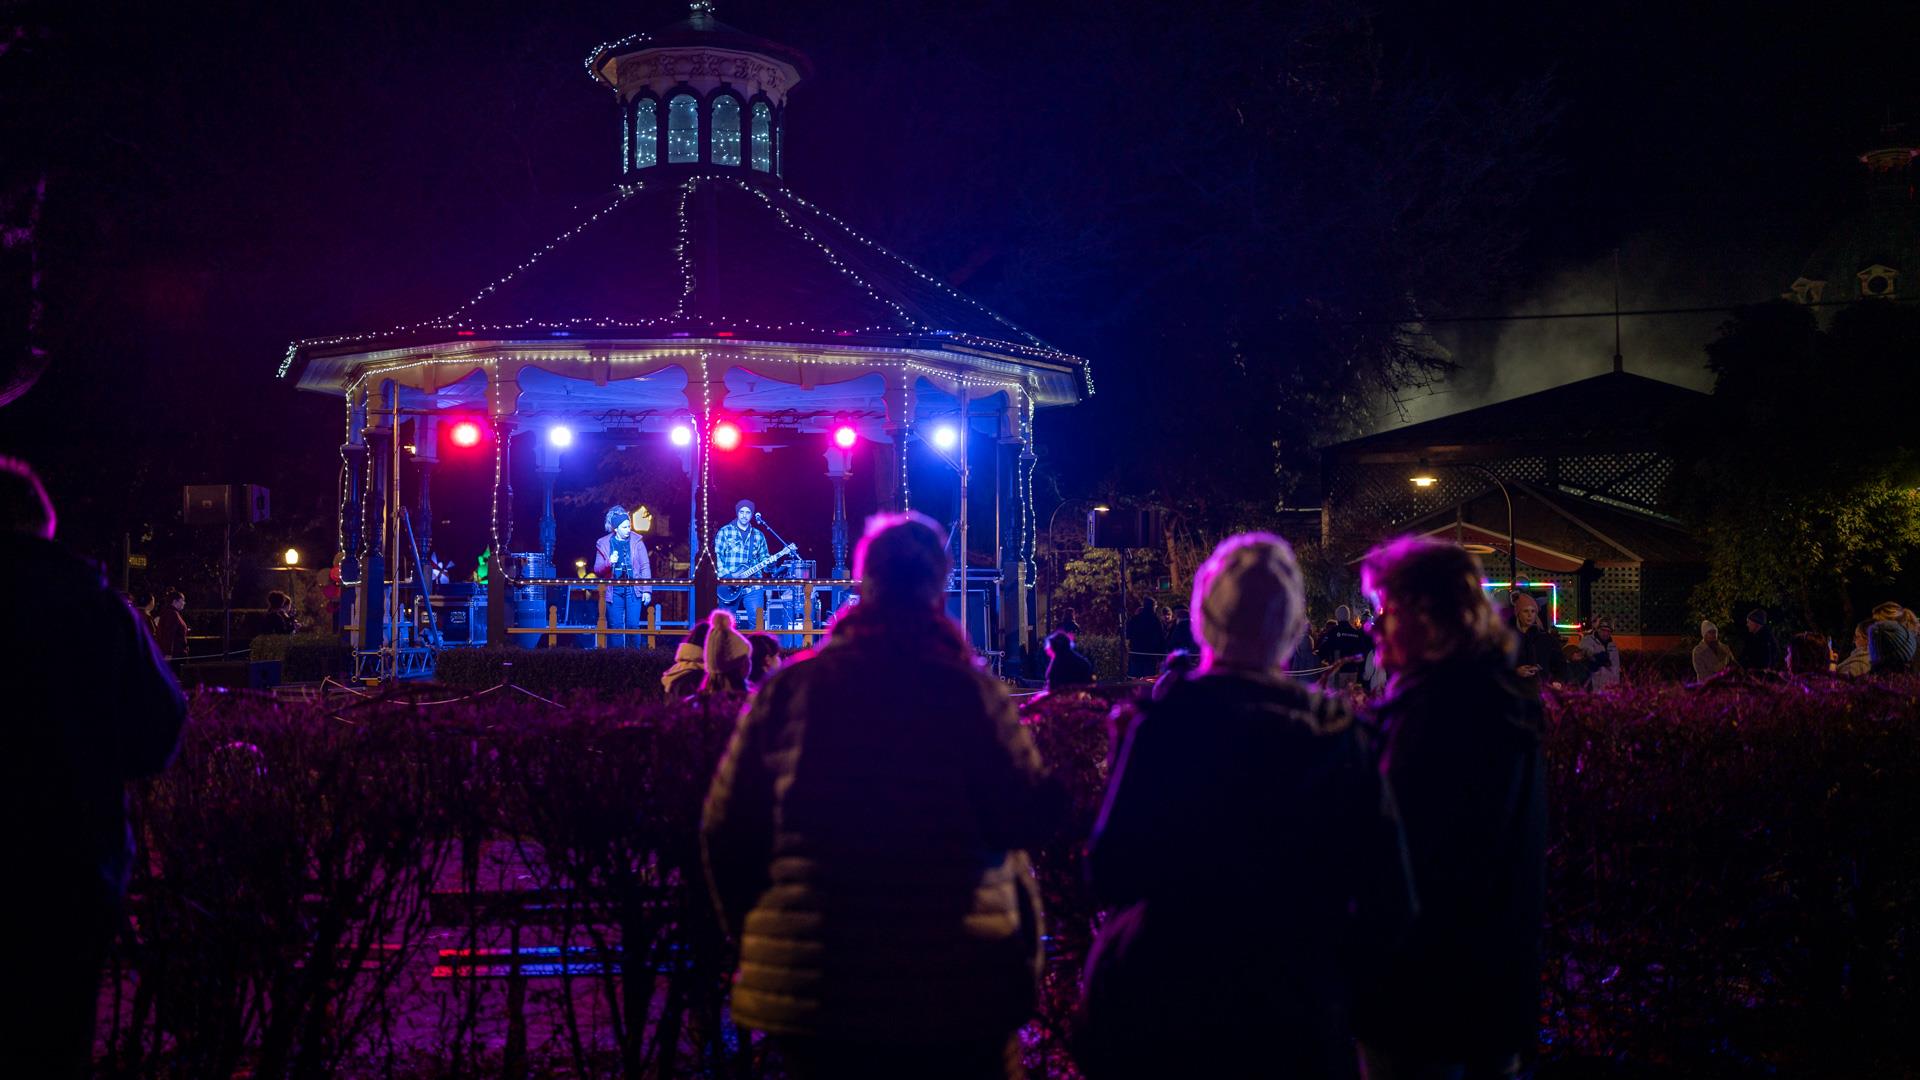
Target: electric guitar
<point>731,593</point>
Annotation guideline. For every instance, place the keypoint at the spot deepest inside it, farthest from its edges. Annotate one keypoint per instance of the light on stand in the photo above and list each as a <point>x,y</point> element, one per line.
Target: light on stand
<point>845,436</point>
<point>681,435</point>
<point>465,433</point>
<point>946,436</point>
<point>560,435</point>
<point>726,435</point>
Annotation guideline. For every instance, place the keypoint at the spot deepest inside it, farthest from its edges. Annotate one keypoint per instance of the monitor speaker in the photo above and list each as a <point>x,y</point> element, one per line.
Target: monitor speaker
<point>207,504</point>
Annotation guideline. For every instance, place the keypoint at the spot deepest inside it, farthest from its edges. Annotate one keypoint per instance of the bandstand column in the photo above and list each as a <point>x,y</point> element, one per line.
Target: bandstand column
<point>373,616</point>
<point>899,403</point>
<point>547,464</point>
<point>353,456</point>
<point>503,401</point>
<point>426,455</point>
<point>1010,512</point>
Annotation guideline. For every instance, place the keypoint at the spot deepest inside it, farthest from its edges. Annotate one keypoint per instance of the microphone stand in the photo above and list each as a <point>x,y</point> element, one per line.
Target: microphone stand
<point>781,541</point>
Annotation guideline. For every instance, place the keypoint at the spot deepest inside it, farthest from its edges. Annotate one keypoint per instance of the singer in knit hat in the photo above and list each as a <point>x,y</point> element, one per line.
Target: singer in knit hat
<point>1238,790</point>
<point>864,838</point>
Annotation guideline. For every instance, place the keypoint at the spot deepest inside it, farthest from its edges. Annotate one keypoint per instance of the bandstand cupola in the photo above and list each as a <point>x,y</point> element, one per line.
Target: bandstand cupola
<point>700,93</point>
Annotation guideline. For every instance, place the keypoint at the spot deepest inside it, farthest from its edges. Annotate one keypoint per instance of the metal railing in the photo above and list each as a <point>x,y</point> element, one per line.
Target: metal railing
<point>678,624</point>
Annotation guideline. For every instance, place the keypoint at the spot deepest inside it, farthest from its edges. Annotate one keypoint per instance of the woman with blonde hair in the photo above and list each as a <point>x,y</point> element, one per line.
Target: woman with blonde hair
<point>1462,757</point>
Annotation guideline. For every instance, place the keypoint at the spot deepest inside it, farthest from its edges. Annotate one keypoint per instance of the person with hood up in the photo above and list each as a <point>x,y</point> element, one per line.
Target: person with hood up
<point>1602,656</point>
<point>865,838</point>
<point>689,664</point>
<point>1239,795</point>
<point>1711,656</point>
<point>1462,753</point>
<point>1541,661</point>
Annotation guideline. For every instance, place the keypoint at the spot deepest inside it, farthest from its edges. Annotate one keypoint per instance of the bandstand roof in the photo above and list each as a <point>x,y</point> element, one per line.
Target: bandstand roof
<point>714,261</point>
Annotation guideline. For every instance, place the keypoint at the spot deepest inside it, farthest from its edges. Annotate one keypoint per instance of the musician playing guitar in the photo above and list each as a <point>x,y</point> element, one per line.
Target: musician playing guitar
<point>740,551</point>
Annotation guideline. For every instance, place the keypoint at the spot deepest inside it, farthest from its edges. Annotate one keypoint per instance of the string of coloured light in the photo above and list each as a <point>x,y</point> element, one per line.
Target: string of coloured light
<point>832,257</point>
<point>680,254</point>
<point>606,47</point>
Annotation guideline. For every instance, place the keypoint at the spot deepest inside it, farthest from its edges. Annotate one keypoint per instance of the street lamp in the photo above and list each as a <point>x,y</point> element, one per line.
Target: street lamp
<point>1423,478</point>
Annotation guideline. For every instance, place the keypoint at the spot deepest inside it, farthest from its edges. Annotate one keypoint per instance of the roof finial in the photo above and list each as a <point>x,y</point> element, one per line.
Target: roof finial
<point>700,10</point>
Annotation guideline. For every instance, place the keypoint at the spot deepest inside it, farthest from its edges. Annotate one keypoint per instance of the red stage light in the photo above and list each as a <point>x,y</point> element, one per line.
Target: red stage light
<point>844,436</point>
<point>465,433</point>
<point>726,435</point>
<point>681,435</point>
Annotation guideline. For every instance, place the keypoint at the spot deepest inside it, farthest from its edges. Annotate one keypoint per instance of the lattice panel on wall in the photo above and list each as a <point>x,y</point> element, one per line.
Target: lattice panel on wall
<point>1666,599</point>
<point>1369,500</point>
<point>1616,595</point>
<point>1638,478</point>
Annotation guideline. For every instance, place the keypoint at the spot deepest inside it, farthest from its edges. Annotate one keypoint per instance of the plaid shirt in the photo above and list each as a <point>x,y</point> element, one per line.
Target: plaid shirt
<point>735,548</point>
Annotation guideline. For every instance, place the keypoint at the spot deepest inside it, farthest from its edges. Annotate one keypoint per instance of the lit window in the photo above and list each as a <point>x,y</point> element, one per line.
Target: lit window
<point>683,129</point>
<point>726,131</point>
<point>762,137</point>
<point>646,134</point>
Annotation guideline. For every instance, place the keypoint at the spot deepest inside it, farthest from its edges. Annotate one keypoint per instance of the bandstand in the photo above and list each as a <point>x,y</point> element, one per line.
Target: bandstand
<point>701,293</point>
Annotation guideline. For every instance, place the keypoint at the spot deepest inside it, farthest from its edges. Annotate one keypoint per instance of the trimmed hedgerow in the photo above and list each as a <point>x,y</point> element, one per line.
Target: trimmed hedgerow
<point>1732,884</point>
<point>304,657</point>
<point>632,674</point>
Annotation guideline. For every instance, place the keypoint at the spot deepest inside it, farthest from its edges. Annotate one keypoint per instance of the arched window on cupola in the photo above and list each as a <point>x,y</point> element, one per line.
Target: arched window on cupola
<point>762,137</point>
<point>726,130</point>
<point>683,128</point>
<point>646,133</point>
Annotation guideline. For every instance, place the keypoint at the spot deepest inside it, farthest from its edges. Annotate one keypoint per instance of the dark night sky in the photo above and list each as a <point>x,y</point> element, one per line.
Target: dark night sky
<point>229,177</point>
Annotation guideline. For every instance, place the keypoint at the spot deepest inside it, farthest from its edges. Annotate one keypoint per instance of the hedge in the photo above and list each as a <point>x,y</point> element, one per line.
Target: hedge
<point>1733,886</point>
<point>304,657</point>
<point>630,674</point>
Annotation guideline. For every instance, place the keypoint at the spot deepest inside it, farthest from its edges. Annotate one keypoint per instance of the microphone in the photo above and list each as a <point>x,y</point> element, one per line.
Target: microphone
<point>759,519</point>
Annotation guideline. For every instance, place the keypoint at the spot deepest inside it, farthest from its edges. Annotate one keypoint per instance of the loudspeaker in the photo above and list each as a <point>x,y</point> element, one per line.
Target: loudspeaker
<point>258,502</point>
<point>1126,529</point>
<point>207,504</point>
<point>982,605</point>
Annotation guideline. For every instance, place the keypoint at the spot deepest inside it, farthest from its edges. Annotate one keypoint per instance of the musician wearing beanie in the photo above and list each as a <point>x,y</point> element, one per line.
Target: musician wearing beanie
<point>738,549</point>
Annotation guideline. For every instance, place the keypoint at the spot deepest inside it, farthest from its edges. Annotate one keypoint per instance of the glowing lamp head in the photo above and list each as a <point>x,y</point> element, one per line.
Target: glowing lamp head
<point>1101,509</point>
<point>465,433</point>
<point>292,557</point>
<point>560,435</point>
<point>1424,480</point>
<point>681,435</point>
<point>946,436</point>
<point>726,435</point>
<point>844,436</point>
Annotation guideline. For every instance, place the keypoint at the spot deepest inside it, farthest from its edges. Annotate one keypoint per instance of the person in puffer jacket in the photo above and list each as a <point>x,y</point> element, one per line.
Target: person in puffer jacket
<point>865,835</point>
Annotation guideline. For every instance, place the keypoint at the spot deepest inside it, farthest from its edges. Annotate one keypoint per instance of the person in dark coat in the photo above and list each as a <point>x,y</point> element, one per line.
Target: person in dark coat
<point>280,617</point>
<point>1146,642</point>
<point>172,626</point>
<point>865,836</point>
<point>1177,633</point>
<point>1541,658</point>
<point>1462,755</point>
<point>1760,652</point>
<point>1066,667</point>
<point>93,707</point>
<point>1068,622</point>
<point>1248,848</point>
<point>1342,647</point>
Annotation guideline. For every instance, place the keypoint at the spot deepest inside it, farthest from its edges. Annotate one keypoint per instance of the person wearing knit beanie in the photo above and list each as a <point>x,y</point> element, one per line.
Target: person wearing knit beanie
<point>1248,603</point>
<point>1711,656</point>
<point>728,656</point>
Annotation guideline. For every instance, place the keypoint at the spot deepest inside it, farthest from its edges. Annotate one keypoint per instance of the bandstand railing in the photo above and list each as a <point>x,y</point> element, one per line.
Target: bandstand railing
<point>676,624</point>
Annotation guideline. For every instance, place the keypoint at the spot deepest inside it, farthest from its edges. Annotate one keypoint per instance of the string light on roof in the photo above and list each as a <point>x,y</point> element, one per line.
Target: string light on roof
<point>787,220</point>
<point>681,256</point>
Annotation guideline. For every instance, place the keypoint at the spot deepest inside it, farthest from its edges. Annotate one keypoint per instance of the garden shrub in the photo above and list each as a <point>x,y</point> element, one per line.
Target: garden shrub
<point>305,657</point>
<point>1732,883</point>
<point>1107,653</point>
<point>631,674</point>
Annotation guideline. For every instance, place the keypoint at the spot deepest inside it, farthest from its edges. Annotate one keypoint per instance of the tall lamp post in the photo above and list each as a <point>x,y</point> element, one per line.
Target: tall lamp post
<point>1098,508</point>
<point>1423,478</point>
